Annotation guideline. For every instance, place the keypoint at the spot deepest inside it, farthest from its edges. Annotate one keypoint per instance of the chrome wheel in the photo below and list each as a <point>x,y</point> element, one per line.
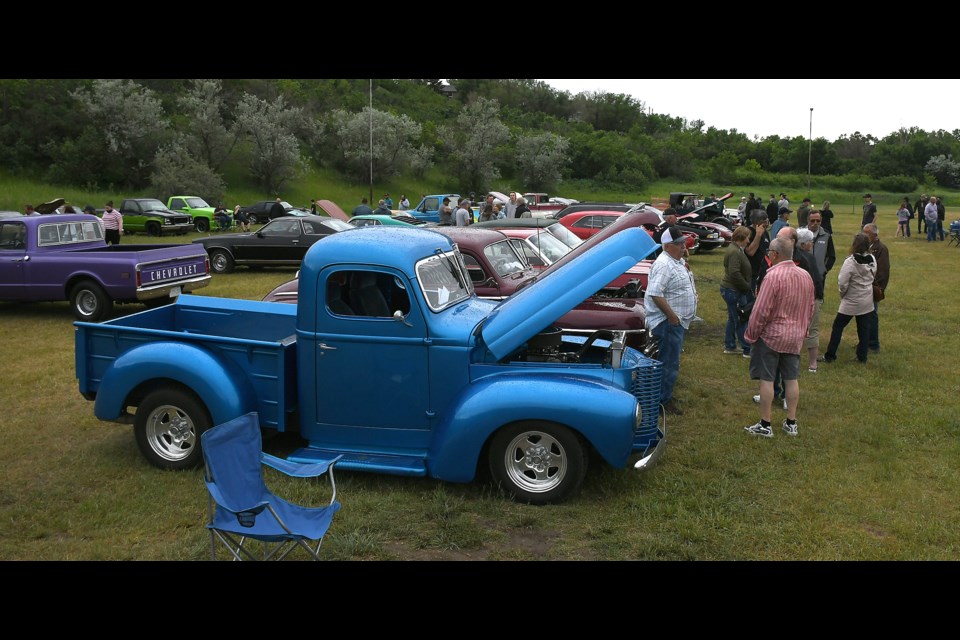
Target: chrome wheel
<point>170,433</point>
<point>535,461</point>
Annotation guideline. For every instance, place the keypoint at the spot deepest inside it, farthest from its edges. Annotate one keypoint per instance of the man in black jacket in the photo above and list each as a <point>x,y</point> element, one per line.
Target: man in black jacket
<point>918,209</point>
<point>277,210</point>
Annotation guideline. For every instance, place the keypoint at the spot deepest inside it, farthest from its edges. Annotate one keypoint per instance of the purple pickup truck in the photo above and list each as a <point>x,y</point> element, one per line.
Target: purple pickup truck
<point>65,257</point>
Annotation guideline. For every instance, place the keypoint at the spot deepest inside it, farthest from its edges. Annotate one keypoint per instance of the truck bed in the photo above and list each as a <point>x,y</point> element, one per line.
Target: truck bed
<point>257,338</point>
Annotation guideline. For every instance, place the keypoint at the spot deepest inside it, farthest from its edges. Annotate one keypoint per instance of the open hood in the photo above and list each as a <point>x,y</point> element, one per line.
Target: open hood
<point>49,207</point>
<point>333,210</point>
<point>537,306</point>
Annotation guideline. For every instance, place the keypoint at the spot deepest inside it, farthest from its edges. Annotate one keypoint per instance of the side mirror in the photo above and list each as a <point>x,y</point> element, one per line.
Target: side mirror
<point>399,317</point>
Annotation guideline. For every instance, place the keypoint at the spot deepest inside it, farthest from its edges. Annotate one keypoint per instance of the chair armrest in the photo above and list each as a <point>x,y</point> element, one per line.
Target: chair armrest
<point>297,469</point>
<point>221,500</point>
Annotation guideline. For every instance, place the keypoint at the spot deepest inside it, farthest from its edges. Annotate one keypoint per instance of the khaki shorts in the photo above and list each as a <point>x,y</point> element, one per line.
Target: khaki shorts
<point>813,333</point>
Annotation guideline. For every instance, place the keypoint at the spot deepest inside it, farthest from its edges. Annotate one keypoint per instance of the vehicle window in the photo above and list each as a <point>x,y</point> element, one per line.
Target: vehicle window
<point>13,235</point>
<point>503,258</point>
<point>363,222</point>
<point>551,248</point>
<point>443,279</point>
<point>474,268</point>
<point>152,205</point>
<point>366,293</point>
<point>586,222</point>
<point>605,220</point>
<point>431,204</point>
<point>282,227</point>
<point>333,223</point>
<point>286,205</point>
<point>177,203</point>
<point>528,252</point>
<point>197,203</point>
<point>564,235</point>
<point>131,208</point>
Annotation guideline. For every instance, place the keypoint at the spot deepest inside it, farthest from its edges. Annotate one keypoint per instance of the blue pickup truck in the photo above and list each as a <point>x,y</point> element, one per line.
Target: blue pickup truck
<point>391,360</point>
<point>428,209</point>
<point>64,257</point>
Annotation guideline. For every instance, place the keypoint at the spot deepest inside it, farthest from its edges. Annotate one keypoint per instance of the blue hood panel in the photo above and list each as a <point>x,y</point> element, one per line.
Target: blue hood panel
<point>537,306</point>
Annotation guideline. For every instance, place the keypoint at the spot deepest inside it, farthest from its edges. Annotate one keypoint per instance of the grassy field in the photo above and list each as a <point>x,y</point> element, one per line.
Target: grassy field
<point>872,476</point>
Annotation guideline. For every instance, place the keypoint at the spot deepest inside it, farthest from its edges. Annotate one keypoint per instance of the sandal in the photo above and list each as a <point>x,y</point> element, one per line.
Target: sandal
<point>812,369</point>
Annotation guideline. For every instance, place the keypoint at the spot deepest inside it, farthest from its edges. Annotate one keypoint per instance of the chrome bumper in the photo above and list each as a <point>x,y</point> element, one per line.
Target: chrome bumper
<point>650,456</point>
<point>163,290</point>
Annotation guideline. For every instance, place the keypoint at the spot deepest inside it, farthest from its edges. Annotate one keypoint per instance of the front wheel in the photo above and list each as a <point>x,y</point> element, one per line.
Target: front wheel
<point>89,301</point>
<point>221,261</point>
<point>153,229</point>
<point>202,225</point>
<point>167,427</point>
<point>538,462</point>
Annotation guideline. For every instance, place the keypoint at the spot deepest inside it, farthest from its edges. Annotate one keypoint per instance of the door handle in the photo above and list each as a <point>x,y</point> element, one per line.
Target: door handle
<point>325,346</point>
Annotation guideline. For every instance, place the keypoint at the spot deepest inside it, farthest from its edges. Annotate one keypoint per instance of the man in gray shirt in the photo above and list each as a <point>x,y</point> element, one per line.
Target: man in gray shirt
<point>463,216</point>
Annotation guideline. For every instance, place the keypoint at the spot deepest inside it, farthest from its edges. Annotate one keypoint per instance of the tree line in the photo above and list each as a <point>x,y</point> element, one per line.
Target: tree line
<point>177,136</point>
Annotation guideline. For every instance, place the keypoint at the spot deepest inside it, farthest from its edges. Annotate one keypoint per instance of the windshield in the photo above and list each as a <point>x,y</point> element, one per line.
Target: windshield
<point>286,205</point>
<point>503,258</point>
<point>152,205</point>
<point>443,279</point>
<point>197,203</point>
<point>550,248</point>
<point>564,235</point>
<point>336,225</point>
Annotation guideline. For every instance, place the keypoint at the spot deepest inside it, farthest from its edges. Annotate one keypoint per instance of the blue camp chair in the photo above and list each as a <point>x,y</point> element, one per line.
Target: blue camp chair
<point>241,507</point>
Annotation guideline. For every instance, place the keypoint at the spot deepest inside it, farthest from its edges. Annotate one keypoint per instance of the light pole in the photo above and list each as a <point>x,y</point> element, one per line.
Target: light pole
<point>371,141</point>
<point>809,151</point>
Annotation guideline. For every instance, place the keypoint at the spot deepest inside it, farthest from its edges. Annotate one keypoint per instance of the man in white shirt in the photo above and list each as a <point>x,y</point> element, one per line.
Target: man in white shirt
<point>671,304</point>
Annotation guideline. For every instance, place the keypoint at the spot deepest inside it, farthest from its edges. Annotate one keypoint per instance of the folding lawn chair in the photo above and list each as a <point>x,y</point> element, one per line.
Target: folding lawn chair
<point>241,507</point>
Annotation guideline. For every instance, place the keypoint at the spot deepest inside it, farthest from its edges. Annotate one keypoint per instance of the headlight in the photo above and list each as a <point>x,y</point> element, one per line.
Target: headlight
<point>167,221</point>
<point>713,236</point>
<point>637,417</point>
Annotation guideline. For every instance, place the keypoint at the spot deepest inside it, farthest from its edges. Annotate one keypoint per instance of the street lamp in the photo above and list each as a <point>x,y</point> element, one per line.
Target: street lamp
<point>809,151</point>
<point>371,140</point>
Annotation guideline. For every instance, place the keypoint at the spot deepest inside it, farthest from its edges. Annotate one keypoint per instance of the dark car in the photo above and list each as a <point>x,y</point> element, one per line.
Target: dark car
<point>280,243</point>
<point>259,212</point>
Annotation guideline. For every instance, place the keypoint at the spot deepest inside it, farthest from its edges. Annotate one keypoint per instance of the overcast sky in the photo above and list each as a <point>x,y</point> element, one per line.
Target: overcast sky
<point>876,107</point>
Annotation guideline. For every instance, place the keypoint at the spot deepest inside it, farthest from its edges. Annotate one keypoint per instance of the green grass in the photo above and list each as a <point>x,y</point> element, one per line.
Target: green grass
<point>872,476</point>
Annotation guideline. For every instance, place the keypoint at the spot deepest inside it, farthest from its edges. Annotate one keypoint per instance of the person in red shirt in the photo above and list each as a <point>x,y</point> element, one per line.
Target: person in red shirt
<point>777,330</point>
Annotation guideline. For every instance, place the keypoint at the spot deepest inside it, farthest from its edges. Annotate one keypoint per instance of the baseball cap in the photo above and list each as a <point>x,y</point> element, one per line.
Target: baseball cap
<point>672,236</point>
<point>784,210</point>
<point>669,211</point>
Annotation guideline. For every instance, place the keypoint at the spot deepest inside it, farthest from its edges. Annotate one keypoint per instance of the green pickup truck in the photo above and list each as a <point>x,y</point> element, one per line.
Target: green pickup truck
<point>148,215</point>
<point>197,208</point>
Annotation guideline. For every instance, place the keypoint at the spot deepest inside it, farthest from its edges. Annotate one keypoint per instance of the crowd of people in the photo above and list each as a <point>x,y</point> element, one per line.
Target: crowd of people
<point>773,286</point>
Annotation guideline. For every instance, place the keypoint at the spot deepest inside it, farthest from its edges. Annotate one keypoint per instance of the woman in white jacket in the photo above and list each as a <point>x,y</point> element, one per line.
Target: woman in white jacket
<point>856,297</point>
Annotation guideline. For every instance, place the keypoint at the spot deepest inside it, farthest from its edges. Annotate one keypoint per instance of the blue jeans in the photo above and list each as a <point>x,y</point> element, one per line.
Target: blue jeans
<point>735,328</point>
<point>931,232</point>
<point>940,228</point>
<point>671,342</point>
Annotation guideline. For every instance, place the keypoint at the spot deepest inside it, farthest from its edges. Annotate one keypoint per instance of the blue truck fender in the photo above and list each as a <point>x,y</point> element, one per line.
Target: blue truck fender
<point>599,411</point>
<point>222,388</point>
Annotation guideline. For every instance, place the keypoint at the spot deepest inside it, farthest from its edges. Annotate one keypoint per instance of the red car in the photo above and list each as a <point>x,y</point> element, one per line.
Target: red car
<point>586,223</point>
